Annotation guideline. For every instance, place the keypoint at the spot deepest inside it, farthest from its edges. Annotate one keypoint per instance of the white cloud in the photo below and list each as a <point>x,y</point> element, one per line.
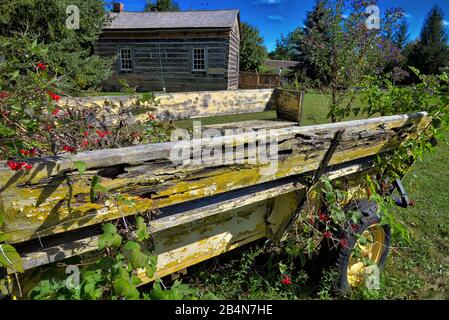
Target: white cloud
<point>408,16</point>
<point>275,18</point>
<point>269,2</point>
<point>445,23</point>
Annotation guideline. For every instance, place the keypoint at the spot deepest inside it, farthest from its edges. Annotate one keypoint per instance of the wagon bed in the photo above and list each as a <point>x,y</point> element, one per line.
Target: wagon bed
<point>205,210</point>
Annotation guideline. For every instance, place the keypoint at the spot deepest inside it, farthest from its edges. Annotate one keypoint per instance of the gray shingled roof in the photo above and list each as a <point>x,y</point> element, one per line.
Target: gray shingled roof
<point>173,20</point>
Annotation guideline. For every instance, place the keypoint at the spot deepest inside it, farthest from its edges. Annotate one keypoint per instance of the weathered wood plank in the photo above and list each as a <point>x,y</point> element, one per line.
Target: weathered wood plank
<point>249,125</point>
<point>195,104</point>
<point>34,256</point>
<point>41,203</point>
<point>289,104</point>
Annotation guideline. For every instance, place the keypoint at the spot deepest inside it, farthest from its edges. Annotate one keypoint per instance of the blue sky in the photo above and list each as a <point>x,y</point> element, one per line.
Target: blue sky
<point>274,17</point>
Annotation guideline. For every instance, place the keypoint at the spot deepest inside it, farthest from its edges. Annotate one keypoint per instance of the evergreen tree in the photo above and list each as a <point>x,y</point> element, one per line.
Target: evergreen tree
<point>281,52</point>
<point>289,47</point>
<point>70,50</point>
<point>402,37</point>
<point>252,50</point>
<point>162,5</point>
<point>317,25</point>
<point>431,53</point>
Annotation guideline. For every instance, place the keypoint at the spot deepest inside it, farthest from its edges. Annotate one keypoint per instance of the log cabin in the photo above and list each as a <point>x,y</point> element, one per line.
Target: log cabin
<point>172,51</point>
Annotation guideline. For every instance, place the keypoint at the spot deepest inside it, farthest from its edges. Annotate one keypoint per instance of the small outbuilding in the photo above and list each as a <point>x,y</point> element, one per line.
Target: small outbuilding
<point>173,51</point>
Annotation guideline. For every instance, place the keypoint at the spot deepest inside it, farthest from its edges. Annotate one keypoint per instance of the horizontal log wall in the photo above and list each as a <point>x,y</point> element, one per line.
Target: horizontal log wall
<point>164,60</point>
<point>53,199</point>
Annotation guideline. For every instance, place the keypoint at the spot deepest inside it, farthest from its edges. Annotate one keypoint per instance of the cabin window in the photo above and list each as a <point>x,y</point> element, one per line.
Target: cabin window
<point>199,59</point>
<point>126,61</point>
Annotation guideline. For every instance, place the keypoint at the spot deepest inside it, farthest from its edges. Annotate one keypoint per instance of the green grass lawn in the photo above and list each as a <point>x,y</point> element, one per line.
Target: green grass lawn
<point>314,112</point>
<point>420,270</point>
<point>415,270</point>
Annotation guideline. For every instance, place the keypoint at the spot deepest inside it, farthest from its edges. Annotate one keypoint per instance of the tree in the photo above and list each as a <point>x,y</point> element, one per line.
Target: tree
<point>252,50</point>
<point>344,50</point>
<point>431,53</point>
<point>289,47</point>
<point>401,37</point>
<point>162,5</point>
<point>70,49</point>
<point>281,52</point>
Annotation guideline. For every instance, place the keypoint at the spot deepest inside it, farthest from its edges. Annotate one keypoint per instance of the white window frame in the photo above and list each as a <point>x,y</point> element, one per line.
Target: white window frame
<point>194,59</point>
<point>128,59</point>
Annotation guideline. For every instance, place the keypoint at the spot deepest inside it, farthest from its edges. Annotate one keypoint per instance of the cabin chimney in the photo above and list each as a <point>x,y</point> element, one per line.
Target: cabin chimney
<point>118,7</point>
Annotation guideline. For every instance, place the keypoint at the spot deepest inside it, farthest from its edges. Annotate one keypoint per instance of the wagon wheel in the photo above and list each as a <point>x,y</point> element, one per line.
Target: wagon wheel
<point>355,260</point>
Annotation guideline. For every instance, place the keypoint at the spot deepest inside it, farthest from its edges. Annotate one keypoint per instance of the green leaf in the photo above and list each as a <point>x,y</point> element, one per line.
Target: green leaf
<point>142,231</point>
<point>137,259</point>
<point>109,240</point>
<point>151,267</point>
<point>9,258</point>
<point>109,228</point>
<point>135,281</point>
<point>327,183</point>
<point>100,188</point>
<point>133,253</point>
<point>125,289</point>
<point>5,237</point>
<point>330,197</point>
<point>81,166</point>
<point>96,187</point>
<point>131,245</point>
<point>110,237</point>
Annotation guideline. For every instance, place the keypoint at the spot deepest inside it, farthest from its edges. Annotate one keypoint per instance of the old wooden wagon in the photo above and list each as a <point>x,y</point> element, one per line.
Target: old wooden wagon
<point>205,209</point>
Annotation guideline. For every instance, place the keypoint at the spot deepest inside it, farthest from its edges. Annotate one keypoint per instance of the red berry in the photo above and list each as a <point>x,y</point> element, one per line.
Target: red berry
<point>69,149</point>
<point>323,217</point>
<point>286,280</point>
<point>41,66</point>
<point>327,234</point>
<point>4,94</point>
<point>12,165</point>
<point>54,96</point>
<point>344,243</point>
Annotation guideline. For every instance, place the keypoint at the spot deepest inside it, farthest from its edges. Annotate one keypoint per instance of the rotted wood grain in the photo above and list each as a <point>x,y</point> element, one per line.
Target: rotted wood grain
<point>170,231</point>
<point>53,199</point>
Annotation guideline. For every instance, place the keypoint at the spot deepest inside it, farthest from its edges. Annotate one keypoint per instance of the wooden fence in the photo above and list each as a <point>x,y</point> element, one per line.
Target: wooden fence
<point>249,80</point>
